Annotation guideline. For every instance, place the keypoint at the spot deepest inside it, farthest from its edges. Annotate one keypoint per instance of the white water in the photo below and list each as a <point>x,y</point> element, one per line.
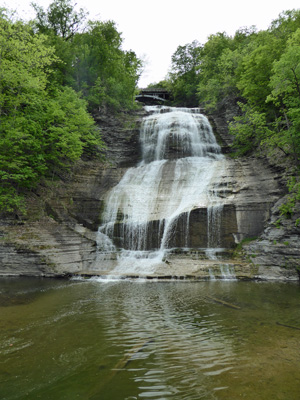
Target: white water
<point>180,158</point>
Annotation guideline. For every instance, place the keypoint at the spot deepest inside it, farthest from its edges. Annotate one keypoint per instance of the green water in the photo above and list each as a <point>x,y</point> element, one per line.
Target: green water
<point>149,340</point>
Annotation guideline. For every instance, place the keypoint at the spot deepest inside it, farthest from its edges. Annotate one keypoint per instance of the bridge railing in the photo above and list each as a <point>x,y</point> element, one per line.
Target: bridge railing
<point>153,95</point>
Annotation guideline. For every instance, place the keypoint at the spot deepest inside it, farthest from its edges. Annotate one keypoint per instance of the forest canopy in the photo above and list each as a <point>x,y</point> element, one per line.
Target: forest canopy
<point>55,71</point>
<point>260,69</point>
<point>257,70</point>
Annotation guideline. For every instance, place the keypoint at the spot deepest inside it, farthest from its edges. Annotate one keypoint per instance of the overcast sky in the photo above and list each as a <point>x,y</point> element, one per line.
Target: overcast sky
<point>154,29</point>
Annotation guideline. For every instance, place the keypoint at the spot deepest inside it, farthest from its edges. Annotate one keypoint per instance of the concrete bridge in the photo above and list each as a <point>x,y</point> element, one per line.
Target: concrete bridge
<point>153,96</point>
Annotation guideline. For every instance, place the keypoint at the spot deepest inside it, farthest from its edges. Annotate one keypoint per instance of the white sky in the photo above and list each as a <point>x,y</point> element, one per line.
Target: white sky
<point>154,29</point>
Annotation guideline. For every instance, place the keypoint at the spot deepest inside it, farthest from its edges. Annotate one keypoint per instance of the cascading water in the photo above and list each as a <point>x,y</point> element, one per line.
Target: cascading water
<point>153,201</point>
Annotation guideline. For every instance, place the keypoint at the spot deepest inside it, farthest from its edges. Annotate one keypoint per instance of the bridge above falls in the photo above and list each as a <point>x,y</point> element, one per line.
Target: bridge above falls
<point>153,96</point>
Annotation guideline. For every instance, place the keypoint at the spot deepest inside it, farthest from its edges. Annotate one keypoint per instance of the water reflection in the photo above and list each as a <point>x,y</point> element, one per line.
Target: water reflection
<point>180,344</point>
<point>129,340</point>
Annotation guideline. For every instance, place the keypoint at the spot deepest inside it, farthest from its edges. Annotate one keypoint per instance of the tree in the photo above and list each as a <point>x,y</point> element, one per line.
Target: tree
<point>90,57</point>
<point>24,60</point>
<point>184,74</point>
<point>41,131</point>
<point>186,58</point>
<point>216,69</point>
<point>61,19</point>
<point>105,73</point>
<point>255,69</point>
<point>249,130</point>
<point>60,22</point>
<point>285,25</point>
<point>285,85</point>
<point>285,80</point>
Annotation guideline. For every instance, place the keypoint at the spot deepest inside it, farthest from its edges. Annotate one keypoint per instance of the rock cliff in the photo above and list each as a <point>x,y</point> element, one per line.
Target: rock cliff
<point>58,237</point>
<point>276,251</point>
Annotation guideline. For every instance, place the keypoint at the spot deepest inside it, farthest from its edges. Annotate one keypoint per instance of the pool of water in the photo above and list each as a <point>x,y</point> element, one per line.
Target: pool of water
<point>111,340</point>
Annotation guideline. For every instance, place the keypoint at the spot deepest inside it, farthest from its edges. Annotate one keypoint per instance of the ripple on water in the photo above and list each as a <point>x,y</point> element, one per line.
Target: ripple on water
<point>152,341</point>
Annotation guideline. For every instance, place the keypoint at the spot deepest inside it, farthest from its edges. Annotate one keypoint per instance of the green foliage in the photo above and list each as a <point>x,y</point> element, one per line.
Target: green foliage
<point>255,69</point>
<point>165,84</point>
<point>68,128</point>
<point>246,241</point>
<point>217,61</point>
<point>261,70</point>
<point>186,58</point>
<point>60,19</point>
<point>106,74</point>
<point>241,244</point>
<point>48,66</point>
<point>91,59</point>
<point>60,23</point>
<point>287,209</point>
<point>277,223</point>
<point>285,85</point>
<point>43,128</point>
<point>11,200</point>
<point>184,74</point>
<point>286,72</point>
<point>51,71</point>
<point>248,129</point>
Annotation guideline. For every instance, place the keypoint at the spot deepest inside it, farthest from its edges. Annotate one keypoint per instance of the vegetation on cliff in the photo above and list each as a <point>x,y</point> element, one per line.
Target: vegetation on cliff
<point>260,71</point>
<point>54,72</point>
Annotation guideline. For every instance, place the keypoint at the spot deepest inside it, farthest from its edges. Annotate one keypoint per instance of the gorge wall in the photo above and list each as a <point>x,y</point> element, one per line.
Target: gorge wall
<point>58,237</point>
<point>276,251</point>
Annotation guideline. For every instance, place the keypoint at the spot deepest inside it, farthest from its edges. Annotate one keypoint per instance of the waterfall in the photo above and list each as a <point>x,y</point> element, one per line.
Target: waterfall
<point>148,212</point>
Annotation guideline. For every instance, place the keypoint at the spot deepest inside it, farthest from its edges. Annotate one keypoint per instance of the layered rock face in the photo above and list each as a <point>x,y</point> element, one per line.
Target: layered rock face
<point>184,182</point>
<point>245,190</point>
<point>45,248</point>
<point>58,236</point>
<point>275,254</point>
<point>61,239</point>
<point>248,190</point>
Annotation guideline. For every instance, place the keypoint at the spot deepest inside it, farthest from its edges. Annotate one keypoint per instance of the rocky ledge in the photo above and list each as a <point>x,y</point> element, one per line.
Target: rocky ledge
<point>277,251</point>
<point>45,248</point>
